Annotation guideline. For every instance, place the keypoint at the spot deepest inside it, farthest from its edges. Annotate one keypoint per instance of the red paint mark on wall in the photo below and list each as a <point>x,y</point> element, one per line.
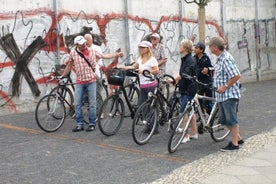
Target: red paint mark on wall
<point>6,101</point>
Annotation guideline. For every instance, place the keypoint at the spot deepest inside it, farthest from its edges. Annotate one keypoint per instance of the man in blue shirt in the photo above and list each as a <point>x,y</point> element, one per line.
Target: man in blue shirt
<point>228,93</point>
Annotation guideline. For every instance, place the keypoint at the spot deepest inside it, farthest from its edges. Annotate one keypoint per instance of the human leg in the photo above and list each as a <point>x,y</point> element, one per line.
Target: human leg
<point>194,134</point>
<point>91,92</point>
<point>229,118</point>
<point>79,92</point>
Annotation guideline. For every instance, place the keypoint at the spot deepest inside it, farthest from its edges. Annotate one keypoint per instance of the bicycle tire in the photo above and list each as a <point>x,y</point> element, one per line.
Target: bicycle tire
<point>50,113</point>
<point>179,131</point>
<point>111,115</point>
<point>218,131</point>
<point>141,128</point>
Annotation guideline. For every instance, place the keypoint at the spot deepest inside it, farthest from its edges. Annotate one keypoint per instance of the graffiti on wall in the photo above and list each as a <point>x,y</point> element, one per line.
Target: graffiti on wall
<point>37,34</point>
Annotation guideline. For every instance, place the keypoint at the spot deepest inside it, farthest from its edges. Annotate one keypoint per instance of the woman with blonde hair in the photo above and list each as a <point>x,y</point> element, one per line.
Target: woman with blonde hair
<point>186,87</point>
<point>145,61</point>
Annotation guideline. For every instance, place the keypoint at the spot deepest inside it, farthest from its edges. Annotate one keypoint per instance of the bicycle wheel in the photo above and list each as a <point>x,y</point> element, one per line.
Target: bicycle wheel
<point>67,94</point>
<point>218,131</point>
<point>132,94</point>
<point>111,115</point>
<point>144,122</point>
<point>50,113</point>
<point>180,130</point>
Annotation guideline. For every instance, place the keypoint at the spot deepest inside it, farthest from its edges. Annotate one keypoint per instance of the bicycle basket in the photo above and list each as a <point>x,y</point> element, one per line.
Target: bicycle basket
<point>116,76</point>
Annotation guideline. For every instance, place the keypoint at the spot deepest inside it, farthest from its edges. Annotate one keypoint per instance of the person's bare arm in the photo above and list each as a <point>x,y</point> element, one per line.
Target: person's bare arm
<point>114,55</point>
<point>228,84</point>
<point>134,66</point>
<point>162,61</point>
<point>67,68</point>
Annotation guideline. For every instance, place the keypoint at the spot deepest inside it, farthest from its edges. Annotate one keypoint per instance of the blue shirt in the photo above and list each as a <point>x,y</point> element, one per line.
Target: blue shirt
<point>225,69</point>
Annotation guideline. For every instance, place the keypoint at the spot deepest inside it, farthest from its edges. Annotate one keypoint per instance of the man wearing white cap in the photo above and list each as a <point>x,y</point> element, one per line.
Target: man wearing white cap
<point>84,61</point>
<point>159,52</point>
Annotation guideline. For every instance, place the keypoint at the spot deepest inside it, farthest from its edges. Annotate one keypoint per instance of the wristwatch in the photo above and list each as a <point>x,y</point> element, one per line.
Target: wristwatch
<point>226,85</point>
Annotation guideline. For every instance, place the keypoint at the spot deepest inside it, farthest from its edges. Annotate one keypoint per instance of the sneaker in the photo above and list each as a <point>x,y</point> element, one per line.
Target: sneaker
<point>78,128</point>
<point>185,139</point>
<point>90,128</point>
<point>195,136</point>
<point>230,147</point>
<point>240,142</point>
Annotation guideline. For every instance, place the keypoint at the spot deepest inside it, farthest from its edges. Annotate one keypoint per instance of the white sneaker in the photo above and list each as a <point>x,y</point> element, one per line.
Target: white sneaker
<point>195,136</point>
<point>185,139</point>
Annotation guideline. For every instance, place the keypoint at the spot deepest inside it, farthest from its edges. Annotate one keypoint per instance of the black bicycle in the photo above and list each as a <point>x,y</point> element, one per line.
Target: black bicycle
<point>112,112</point>
<point>52,109</point>
<point>156,110</point>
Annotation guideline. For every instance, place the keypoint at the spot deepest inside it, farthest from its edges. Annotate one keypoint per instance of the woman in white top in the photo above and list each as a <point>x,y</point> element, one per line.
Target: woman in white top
<point>145,61</point>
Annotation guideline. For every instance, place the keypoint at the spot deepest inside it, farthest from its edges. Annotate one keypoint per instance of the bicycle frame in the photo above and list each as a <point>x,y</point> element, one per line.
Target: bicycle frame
<point>162,101</point>
<point>196,105</point>
<point>130,107</point>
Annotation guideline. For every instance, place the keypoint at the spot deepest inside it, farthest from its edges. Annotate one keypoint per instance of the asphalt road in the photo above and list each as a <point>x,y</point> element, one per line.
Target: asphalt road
<point>29,155</point>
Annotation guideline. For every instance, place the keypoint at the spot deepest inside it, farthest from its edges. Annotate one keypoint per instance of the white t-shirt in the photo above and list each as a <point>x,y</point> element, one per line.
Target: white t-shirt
<point>152,62</point>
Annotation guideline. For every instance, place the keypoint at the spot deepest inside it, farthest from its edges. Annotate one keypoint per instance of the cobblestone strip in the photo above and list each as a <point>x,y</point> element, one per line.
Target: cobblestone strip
<point>194,172</point>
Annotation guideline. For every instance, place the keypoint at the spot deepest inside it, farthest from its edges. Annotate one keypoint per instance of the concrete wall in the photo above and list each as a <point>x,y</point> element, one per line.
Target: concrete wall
<point>35,34</point>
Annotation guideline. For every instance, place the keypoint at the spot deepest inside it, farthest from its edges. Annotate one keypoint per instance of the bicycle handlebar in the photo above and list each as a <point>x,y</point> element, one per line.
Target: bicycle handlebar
<point>195,79</point>
<point>132,73</point>
<point>147,74</point>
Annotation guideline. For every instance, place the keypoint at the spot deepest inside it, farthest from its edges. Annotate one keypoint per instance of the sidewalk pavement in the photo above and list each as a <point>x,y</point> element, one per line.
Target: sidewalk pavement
<point>253,163</point>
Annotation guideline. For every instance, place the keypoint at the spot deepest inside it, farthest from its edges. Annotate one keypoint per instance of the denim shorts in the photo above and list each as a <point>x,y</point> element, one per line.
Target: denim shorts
<point>228,112</point>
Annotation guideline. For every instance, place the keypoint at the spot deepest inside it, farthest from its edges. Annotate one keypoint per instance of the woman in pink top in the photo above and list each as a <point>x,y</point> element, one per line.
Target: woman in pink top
<point>145,61</point>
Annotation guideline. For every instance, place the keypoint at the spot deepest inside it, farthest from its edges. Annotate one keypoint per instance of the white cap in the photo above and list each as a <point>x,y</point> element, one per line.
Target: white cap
<point>79,40</point>
<point>145,44</point>
<point>155,35</point>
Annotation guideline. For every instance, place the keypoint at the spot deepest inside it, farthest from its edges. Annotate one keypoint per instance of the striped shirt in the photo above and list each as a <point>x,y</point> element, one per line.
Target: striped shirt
<point>84,73</point>
<point>225,69</point>
<point>159,53</point>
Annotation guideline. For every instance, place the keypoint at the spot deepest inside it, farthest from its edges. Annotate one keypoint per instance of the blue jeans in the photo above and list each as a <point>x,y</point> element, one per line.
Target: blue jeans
<point>80,90</point>
<point>228,112</point>
<point>184,101</point>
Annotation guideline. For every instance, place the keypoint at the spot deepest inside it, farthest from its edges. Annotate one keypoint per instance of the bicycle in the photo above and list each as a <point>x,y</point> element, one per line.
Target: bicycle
<point>207,122</point>
<point>52,109</point>
<point>156,110</point>
<point>68,92</point>
<point>112,112</point>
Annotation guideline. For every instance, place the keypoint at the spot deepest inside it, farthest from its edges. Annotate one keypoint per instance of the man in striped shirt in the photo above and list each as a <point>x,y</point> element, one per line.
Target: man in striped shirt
<point>85,79</point>
<point>228,93</point>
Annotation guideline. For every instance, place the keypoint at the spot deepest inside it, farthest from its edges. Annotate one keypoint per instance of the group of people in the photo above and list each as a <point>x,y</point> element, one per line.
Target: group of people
<point>85,58</point>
